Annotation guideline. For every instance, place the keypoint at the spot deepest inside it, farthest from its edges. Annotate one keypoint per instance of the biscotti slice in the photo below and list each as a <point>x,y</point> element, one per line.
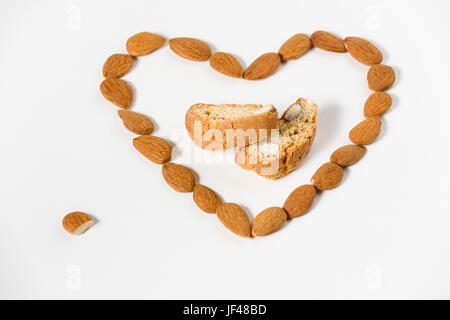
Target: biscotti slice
<point>218,127</point>
<point>282,153</point>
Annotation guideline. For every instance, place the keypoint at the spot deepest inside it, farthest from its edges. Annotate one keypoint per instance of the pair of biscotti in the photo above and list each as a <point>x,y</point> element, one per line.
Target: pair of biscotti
<point>275,149</point>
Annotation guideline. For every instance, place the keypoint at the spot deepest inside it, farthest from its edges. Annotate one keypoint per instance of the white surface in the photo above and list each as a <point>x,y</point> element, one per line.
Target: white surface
<point>384,233</point>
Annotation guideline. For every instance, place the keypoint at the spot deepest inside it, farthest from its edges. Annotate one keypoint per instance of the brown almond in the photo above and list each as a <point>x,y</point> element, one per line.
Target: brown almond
<point>377,104</point>
<point>263,67</point>
<point>366,131</point>
<point>77,222</point>
<point>144,43</point>
<point>327,41</point>
<point>226,64</point>
<point>268,221</point>
<point>363,51</point>
<point>300,201</point>
<point>178,177</point>
<point>380,77</point>
<point>234,218</point>
<point>136,122</point>
<point>117,65</point>
<point>206,199</point>
<point>118,92</point>
<point>328,176</point>
<point>153,148</point>
<point>189,48</point>
<point>348,155</point>
<point>295,47</point>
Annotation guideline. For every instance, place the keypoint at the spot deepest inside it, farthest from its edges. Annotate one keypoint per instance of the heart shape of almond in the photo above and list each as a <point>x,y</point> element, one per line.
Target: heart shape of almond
<point>380,78</point>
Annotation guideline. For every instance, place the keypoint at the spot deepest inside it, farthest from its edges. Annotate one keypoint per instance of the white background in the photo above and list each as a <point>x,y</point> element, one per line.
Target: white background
<point>384,233</point>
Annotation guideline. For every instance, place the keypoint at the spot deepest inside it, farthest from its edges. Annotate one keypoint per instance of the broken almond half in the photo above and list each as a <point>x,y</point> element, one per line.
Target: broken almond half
<point>77,222</point>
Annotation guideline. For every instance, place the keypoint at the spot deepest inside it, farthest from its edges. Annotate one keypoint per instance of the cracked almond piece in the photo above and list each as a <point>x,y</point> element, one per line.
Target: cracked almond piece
<point>218,127</point>
<point>363,51</point>
<point>268,221</point>
<point>300,201</point>
<point>77,222</point>
<point>117,65</point>
<point>117,91</point>
<point>380,77</point>
<point>263,66</point>
<point>153,148</point>
<point>348,155</point>
<point>226,64</point>
<point>328,176</point>
<point>190,48</point>
<point>206,199</point>
<point>282,153</point>
<point>234,218</point>
<point>366,131</point>
<point>178,177</point>
<point>327,41</point>
<point>295,47</point>
<point>136,122</point>
<point>377,104</point>
<point>144,43</point>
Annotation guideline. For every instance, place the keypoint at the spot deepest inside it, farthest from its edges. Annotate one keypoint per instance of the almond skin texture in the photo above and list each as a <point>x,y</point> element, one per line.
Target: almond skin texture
<point>380,77</point>
<point>206,199</point>
<point>234,218</point>
<point>144,43</point>
<point>363,51</point>
<point>77,222</point>
<point>136,122</point>
<point>118,92</point>
<point>189,48</point>
<point>268,221</point>
<point>226,64</point>
<point>348,155</point>
<point>300,201</point>
<point>327,41</point>
<point>117,65</point>
<point>153,148</point>
<point>328,176</point>
<point>263,67</point>
<point>377,104</point>
<point>366,132</point>
<point>180,178</point>
<point>295,47</point>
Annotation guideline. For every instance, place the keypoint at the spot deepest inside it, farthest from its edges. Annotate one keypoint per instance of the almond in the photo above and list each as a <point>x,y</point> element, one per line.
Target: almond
<point>206,199</point>
<point>153,148</point>
<point>366,131</point>
<point>234,218</point>
<point>327,41</point>
<point>348,155</point>
<point>77,222</point>
<point>178,177</point>
<point>328,176</point>
<point>380,77</point>
<point>300,201</point>
<point>117,65</point>
<point>144,43</point>
<point>377,104</point>
<point>269,221</point>
<point>226,64</point>
<point>136,122</point>
<point>118,92</point>
<point>294,111</point>
<point>263,67</point>
<point>189,48</point>
<point>363,51</point>
<point>295,47</point>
